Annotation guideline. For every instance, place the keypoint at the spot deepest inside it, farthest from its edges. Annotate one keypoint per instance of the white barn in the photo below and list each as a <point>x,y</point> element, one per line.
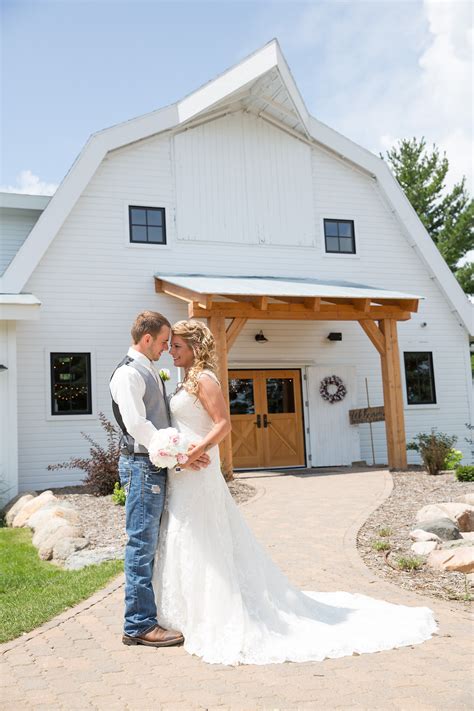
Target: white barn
<point>235,180</point>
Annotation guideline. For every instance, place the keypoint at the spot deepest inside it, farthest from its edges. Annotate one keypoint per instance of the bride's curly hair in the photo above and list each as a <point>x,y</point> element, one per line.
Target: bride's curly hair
<point>201,341</point>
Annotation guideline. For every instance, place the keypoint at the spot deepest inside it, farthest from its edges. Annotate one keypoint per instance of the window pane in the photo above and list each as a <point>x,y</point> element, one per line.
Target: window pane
<point>345,229</point>
<point>138,234</point>
<point>280,395</point>
<point>70,384</point>
<point>241,396</point>
<point>345,244</point>
<point>154,217</point>
<point>155,234</point>
<point>138,216</point>
<point>332,244</point>
<point>330,228</point>
<point>419,378</point>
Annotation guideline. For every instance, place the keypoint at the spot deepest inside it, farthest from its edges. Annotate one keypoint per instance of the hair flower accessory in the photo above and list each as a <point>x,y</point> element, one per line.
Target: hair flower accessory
<point>165,374</point>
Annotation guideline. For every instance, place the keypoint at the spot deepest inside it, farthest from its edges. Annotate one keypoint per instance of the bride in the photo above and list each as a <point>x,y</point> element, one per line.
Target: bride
<point>216,583</point>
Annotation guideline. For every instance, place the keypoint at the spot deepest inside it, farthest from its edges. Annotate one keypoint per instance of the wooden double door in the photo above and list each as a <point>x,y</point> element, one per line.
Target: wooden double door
<point>267,418</point>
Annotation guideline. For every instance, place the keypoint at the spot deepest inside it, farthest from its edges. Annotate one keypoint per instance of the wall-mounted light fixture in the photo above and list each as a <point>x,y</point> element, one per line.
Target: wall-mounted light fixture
<point>423,324</point>
<point>335,337</point>
<point>3,367</point>
<point>260,338</point>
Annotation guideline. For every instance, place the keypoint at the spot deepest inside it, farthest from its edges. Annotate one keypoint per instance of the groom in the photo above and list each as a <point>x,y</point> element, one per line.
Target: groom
<point>141,408</point>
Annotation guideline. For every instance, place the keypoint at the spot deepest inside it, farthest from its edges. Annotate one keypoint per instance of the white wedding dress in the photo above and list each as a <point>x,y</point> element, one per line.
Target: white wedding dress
<point>215,583</point>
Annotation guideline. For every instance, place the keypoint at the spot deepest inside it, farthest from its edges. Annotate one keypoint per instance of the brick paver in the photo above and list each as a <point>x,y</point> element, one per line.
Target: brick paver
<point>309,523</point>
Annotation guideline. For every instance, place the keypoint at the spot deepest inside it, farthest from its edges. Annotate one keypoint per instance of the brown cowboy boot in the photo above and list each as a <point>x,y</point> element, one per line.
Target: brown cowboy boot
<point>156,637</point>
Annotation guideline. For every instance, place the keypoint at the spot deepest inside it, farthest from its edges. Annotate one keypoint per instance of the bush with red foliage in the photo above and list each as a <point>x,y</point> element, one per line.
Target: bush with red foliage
<point>102,466</point>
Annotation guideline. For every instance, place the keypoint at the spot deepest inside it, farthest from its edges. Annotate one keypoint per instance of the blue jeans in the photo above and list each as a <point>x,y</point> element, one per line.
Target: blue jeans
<point>145,487</point>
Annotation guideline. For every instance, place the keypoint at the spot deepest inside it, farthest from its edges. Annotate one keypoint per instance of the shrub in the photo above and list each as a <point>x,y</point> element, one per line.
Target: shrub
<point>102,466</point>
<point>453,459</point>
<point>381,545</point>
<point>409,563</point>
<point>386,531</point>
<point>433,449</point>
<point>465,473</point>
<point>118,496</point>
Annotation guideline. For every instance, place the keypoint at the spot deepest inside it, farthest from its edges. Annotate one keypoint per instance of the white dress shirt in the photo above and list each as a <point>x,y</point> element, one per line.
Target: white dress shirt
<point>128,388</point>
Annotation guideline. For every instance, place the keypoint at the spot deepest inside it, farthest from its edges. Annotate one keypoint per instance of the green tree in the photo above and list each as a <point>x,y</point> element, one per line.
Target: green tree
<point>447,215</point>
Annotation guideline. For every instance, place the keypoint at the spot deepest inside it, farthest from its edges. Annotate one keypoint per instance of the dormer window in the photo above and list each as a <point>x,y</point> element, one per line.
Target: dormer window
<point>339,236</point>
<point>147,225</point>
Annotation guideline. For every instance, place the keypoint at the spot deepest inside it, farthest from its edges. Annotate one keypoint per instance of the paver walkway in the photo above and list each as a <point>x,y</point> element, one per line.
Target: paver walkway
<point>309,523</point>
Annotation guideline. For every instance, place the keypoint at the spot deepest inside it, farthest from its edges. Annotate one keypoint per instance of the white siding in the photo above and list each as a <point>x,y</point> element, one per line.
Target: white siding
<point>240,179</point>
<point>15,227</point>
<point>92,283</point>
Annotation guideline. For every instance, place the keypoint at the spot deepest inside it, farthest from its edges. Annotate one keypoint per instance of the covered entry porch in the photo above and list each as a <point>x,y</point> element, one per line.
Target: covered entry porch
<point>229,302</point>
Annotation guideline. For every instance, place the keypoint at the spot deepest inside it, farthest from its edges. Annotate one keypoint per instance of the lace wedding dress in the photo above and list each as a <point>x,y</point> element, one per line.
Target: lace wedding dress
<point>215,583</point>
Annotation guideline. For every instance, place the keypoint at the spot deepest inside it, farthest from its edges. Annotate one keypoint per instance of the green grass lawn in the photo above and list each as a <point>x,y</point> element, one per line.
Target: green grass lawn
<point>33,591</point>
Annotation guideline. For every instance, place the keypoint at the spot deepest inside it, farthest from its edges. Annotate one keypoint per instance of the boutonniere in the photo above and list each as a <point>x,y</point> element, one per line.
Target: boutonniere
<point>165,374</point>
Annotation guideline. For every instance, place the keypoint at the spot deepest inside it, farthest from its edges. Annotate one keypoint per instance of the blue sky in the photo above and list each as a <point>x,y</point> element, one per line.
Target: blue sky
<point>374,70</point>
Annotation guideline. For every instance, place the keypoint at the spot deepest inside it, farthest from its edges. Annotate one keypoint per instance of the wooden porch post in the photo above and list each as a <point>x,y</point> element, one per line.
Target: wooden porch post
<point>393,399</point>
<point>217,326</point>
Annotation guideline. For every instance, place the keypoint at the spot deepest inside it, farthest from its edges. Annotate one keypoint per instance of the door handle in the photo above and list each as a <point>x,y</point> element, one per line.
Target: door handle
<point>266,422</point>
<point>258,421</point>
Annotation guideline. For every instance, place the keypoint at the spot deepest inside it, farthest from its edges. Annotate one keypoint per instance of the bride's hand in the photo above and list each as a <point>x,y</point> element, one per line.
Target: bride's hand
<point>196,459</point>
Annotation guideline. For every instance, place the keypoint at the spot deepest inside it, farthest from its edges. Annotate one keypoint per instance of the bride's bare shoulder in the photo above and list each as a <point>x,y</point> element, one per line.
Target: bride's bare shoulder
<point>210,376</point>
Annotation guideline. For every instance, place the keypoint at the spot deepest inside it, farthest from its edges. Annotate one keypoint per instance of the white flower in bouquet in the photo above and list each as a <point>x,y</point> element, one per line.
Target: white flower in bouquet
<point>165,374</point>
<point>168,448</point>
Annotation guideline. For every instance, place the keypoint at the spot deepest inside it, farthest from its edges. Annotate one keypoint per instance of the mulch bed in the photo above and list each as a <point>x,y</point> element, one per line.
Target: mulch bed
<point>412,490</point>
<point>103,522</point>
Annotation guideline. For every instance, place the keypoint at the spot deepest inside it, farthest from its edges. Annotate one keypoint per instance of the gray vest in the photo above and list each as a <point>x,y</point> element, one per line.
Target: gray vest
<point>156,406</point>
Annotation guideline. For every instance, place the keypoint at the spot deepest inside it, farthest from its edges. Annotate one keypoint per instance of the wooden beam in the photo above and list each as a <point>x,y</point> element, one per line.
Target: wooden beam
<point>179,292</point>
<point>260,302</point>
<point>217,325</point>
<point>393,398</point>
<point>299,312</point>
<point>233,331</point>
<point>375,335</point>
<point>404,304</point>
<point>361,304</point>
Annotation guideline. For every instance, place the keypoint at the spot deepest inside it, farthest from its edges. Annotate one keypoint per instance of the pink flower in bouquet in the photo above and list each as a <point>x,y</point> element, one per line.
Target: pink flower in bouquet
<point>182,458</point>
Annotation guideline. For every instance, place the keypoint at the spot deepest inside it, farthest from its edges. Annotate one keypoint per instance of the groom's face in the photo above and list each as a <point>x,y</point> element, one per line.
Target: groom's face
<point>158,344</point>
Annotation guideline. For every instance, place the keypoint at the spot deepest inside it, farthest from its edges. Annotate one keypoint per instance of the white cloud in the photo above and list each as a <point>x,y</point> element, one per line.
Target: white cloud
<point>381,71</point>
<point>30,184</point>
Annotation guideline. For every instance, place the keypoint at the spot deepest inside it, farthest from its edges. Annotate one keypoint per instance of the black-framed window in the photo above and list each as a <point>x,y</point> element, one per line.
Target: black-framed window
<point>147,225</point>
<point>71,384</point>
<point>419,377</point>
<point>339,236</point>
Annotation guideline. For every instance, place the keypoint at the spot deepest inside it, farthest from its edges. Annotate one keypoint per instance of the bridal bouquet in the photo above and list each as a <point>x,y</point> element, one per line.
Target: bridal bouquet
<point>168,448</point>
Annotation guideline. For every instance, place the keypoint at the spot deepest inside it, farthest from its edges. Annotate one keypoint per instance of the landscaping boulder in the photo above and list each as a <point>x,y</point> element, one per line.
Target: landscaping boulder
<point>459,560</point>
<point>67,546</point>
<point>445,528</point>
<point>49,527</point>
<point>424,547</point>
<point>446,545</point>
<point>460,513</point>
<point>16,504</point>
<point>51,510</point>
<point>419,535</point>
<point>62,533</point>
<point>466,499</point>
<point>21,519</point>
<point>81,559</point>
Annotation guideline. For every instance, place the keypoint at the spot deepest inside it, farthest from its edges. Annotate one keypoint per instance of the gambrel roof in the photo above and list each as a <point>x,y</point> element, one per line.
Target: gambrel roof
<point>262,84</point>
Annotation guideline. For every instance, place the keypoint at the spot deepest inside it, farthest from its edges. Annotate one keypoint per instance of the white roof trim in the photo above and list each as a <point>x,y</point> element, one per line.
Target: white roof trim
<point>19,307</point>
<point>279,286</point>
<point>218,90</point>
<point>23,201</point>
